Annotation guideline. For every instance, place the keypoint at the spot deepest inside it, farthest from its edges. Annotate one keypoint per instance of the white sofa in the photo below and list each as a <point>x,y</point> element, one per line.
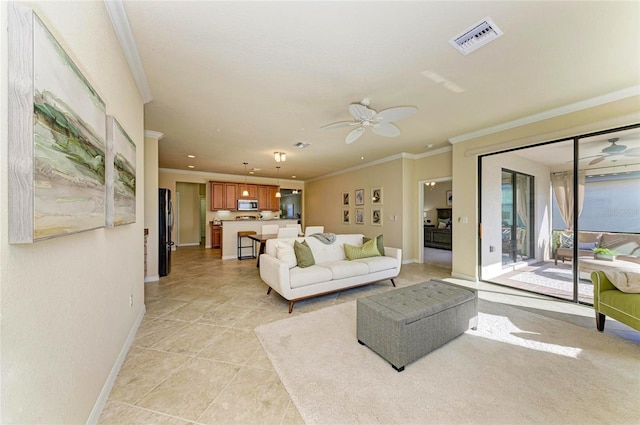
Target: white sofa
<point>332,270</point>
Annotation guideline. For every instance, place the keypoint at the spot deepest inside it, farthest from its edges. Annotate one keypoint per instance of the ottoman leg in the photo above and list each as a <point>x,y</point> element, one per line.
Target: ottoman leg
<point>360,342</point>
<point>398,369</point>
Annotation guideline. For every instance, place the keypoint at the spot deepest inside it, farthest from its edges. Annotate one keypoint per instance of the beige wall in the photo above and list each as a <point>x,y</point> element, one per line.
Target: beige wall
<point>65,302</point>
<point>151,203</point>
<point>187,199</point>
<point>323,201</point>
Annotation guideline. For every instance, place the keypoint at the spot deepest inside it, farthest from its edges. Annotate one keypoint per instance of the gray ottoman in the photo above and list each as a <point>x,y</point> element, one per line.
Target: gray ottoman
<point>404,324</point>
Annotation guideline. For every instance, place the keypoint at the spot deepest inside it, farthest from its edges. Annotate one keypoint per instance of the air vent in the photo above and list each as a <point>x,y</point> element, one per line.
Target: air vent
<point>302,145</point>
<point>476,36</point>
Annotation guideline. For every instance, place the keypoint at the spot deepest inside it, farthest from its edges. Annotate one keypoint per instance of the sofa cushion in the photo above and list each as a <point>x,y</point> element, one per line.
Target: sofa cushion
<point>342,269</point>
<point>369,249</point>
<point>379,243</point>
<point>323,253</point>
<point>299,277</point>
<point>377,264</point>
<point>304,255</point>
<point>285,253</point>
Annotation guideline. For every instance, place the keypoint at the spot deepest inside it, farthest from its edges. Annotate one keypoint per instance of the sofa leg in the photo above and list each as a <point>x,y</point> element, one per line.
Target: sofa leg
<point>600,318</point>
<point>291,303</point>
<point>269,291</point>
<point>393,282</point>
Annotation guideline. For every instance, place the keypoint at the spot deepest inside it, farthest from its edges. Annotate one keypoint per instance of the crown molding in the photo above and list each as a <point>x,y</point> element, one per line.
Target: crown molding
<point>154,134</point>
<point>552,113</point>
<point>120,23</point>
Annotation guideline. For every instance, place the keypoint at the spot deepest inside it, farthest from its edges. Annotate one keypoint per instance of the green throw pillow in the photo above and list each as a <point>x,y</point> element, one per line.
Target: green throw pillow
<point>379,243</point>
<point>303,254</point>
<point>369,249</point>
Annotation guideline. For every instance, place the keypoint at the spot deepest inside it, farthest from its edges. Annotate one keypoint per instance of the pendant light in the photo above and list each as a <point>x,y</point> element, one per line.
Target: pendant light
<point>245,192</point>
<point>278,195</point>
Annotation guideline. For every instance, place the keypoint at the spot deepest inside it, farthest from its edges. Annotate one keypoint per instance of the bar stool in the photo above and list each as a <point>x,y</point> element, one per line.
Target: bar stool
<point>244,235</point>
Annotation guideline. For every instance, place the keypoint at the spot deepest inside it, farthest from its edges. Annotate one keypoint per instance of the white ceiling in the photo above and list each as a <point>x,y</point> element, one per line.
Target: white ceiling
<point>236,81</point>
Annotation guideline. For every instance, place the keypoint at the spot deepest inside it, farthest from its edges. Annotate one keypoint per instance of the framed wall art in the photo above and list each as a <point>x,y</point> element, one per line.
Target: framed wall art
<point>359,215</point>
<point>376,196</point>
<point>376,216</point>
<point>346,219</point>
<point>449,198</point>
<point>57,126</point>
<point>120,175</point>
<point>359,196</point>
<point>345,199</point>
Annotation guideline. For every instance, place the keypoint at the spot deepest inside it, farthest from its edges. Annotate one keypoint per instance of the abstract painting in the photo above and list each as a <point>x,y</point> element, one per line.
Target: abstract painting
<point>120,175</point>
<point>57,137</point>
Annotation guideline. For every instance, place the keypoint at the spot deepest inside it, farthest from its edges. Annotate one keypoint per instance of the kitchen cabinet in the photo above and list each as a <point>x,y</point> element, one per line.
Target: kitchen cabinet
<point>263,198</point>
<point>217,196</point>
<point>231,196</point>
<point>216,236</point>
<point>274,203</point>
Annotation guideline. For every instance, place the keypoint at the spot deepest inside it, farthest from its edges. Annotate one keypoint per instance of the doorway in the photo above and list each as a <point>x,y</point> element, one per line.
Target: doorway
<point>435,231</point>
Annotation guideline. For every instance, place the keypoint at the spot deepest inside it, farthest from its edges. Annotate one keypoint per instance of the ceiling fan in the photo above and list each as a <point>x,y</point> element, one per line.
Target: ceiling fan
<point>613,150</point>
<point>379,122</point>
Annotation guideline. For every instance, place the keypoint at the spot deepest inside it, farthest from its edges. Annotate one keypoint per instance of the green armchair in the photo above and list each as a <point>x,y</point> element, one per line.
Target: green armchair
<point>609,301</point>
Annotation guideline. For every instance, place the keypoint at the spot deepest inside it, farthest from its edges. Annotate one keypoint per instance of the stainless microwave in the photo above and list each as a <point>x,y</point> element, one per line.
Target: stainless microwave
<point>247,205</point>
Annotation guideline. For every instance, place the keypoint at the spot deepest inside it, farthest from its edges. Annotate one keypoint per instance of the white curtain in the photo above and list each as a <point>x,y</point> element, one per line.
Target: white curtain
<point>562,184</point>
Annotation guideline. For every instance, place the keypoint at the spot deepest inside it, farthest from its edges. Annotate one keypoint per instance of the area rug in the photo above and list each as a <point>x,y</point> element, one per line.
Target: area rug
<point>516,368</point>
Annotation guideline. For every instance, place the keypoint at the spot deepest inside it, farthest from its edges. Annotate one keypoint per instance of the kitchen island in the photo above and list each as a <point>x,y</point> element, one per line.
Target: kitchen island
<point>230,229</point>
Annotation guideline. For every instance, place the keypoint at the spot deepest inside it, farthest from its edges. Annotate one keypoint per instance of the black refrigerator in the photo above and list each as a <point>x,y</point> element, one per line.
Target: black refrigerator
<point>165,229</point>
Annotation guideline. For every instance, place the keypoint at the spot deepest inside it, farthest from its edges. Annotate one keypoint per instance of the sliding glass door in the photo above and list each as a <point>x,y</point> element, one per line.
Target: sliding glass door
<point>517,214</point>
<point>545,210</point>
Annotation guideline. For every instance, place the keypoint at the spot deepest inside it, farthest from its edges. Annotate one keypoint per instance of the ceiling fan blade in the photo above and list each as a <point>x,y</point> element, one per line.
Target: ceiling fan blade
<point>340,124</point>
<point>361,112</point>
<point>632,152</point>
<point>354,135</point>
<point>395,114</point>
<point>386,129</point>
<point>597,160</point>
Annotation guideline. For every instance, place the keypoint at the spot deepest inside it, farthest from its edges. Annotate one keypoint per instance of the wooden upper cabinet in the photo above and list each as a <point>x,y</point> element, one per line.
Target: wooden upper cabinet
<point>251,188</point>
<point>217,196</point>
<point>231,196</point>
<point>263,198</point>
<point>274,203</point>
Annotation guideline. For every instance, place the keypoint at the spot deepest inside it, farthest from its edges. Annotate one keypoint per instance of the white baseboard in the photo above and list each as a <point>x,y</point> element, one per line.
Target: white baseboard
<point>230,257</point>
<point>111,379</point>
<point>152,278</point>
<point>190,244</point>
<point>409,261</point>
<point>464,277</point>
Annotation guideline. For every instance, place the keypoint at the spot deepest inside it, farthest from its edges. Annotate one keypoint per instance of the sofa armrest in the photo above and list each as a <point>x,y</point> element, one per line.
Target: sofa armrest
<point>275,273</point>
<point>395,253</point>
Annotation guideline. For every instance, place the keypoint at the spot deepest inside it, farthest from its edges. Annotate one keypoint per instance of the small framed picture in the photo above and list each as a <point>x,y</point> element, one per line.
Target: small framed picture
<point>359,196</point>
<point>376,216</point>
<point>449,198</point>
<point>345,217</point>
<point>345,199</point>
<point>359,215</point>
<point>376,196</point>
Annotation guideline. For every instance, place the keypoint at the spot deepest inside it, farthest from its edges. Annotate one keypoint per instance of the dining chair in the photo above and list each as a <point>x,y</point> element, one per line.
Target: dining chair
<point>287,232</point>
<point>310,230</point>
<point>297,226</point>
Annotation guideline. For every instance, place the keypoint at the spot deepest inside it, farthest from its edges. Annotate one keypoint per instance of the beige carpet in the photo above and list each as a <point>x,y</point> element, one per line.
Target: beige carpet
<point>517,368</point>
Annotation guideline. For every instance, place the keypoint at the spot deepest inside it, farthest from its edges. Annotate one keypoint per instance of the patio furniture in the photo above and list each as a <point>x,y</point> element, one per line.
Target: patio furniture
<point>405,324</point>
<point>610,301</point>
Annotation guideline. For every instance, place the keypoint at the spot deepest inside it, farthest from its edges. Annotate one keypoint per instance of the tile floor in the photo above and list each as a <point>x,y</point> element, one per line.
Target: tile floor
<point>196,360</point>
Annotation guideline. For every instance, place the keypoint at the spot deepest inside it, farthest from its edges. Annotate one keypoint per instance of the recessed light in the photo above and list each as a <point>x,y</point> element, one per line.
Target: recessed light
<point>192,166</point>
<point>429,146</point>
<point>191,156</point>
<point>293,177</point>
